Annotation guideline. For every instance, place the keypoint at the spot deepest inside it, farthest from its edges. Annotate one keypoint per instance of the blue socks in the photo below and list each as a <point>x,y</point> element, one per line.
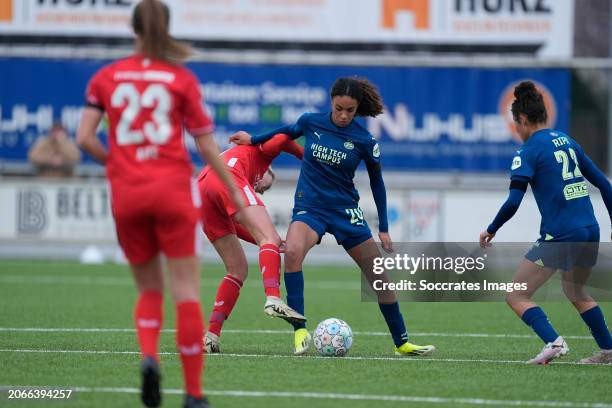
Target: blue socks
<point>537,320</point>
<point>395,321</point>
<point>294,285</point>
<point>594,318</point>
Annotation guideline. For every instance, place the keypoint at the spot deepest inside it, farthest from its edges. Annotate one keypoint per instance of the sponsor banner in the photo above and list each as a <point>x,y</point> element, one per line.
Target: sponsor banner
<point>542,27</point>
<point>435,119</point>
<point>56,212</point>
<point>79,212</point>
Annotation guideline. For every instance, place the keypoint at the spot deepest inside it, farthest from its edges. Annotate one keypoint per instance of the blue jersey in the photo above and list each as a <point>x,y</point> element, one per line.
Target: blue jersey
<point>551,161</point>
<point>331,156</point>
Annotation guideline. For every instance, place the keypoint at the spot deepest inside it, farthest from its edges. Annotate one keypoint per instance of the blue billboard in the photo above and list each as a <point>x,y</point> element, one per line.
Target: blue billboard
<point>436,119</point>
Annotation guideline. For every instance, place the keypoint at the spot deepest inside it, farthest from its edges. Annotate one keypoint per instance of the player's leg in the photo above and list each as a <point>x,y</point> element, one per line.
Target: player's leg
<point>236,267</point>
<point>136,235</point>
<point>534,276</point>
<point>185,289</point>
<point>176,228</point>
<point>573,286</point>
<point>364,254</point>
<point>301,237</point>
<point>258,223</point>
<point>148,316</point>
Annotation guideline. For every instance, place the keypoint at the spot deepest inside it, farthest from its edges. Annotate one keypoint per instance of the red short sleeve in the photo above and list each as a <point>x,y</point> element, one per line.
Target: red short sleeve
<point>93,94</point>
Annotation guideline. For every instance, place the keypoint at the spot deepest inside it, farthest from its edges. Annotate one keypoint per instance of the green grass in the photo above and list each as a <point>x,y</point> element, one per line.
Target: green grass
<point>68,295</point>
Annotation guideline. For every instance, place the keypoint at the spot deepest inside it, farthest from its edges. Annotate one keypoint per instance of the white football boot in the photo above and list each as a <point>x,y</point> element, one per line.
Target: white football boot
<point>551,351</point>
<point>275,307</point>
<point>212,343</point>
<point>600,357</point>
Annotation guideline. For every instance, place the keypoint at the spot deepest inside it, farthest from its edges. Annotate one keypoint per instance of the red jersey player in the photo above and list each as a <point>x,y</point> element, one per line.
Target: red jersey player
<point>224,223</point>
<point>149,98</point>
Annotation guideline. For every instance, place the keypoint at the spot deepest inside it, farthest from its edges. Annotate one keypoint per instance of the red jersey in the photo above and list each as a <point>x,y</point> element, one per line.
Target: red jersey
<point>148,103</point>
<point>251,162</point>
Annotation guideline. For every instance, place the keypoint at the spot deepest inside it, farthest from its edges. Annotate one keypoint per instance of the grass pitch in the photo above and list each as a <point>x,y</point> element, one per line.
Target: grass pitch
<point>65,325</point>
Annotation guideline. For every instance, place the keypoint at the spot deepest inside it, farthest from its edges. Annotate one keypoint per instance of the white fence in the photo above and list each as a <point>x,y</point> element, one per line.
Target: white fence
<point>43,218</point>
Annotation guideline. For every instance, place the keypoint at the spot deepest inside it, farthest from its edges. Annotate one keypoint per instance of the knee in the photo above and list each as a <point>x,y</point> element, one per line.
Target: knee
<point>513,298</point>
<point>238,271</point>
<point>293,258</point>
<point>271,239</point>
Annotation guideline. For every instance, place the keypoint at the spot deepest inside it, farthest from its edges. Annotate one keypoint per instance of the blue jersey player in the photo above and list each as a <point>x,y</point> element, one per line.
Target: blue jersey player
<point>556,168</point>
<point>326,200</point>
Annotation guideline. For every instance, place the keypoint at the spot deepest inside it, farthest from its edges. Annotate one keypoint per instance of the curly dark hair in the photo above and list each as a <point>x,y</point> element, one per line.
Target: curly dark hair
<point>363,91</point>
<point>529,102</point>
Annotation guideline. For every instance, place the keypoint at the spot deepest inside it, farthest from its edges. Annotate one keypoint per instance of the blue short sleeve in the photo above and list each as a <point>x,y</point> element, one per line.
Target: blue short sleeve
<point>523,164</point>
<point>372,152</point>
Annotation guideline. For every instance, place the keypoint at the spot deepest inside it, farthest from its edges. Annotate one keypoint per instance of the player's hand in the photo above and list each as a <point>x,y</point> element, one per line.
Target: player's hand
<point>485,239</point>
<point>240,138</point>
<point>282,247</point>
<point>385,240</point>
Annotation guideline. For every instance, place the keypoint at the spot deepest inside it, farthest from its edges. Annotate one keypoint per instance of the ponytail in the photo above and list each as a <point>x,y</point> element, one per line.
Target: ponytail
<point>151,21</point>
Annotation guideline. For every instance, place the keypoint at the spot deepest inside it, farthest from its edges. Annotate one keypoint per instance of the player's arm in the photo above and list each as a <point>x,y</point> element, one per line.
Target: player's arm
<point>522,171</point>
<point>377,185</point>
<point>200,126</point>
<point>379,192</point>
<point>518,187</point>
<point>281,143</point>
<point>293,131</point>
<point>87,138</point>
<point>207,146</point>
<point>596,177</point>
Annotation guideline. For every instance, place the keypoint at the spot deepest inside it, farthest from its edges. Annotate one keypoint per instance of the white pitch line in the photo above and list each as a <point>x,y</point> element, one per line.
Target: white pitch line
<point>342,396</point>
<point>284,332</point>
<point>284,356</point>
<point>127,281</point>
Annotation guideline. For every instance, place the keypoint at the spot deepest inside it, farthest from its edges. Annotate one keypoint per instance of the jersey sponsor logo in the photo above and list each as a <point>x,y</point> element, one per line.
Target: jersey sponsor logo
<point>349,145</point>
<point>576,190</point>
<point>376,150</point>
<point>516,163</point>
<point>327,155</point>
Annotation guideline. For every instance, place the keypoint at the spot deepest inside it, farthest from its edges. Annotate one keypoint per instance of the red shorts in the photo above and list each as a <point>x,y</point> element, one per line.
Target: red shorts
<point>157,216</point>
<point>218,208</point>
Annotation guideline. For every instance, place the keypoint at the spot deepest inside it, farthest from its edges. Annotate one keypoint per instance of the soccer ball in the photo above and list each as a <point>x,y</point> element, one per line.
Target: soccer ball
<point>333,337</point>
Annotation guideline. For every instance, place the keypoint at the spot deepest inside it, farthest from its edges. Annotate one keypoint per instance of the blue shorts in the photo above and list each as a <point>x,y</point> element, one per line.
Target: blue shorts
<point>346,225</point>
<point>574,248</point>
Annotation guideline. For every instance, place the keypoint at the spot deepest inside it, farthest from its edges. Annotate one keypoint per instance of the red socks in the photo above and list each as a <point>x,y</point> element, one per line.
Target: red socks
<point>269,263</point>
<point>148,316</point>
<point>189,333</point>
<point>226,298</point>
